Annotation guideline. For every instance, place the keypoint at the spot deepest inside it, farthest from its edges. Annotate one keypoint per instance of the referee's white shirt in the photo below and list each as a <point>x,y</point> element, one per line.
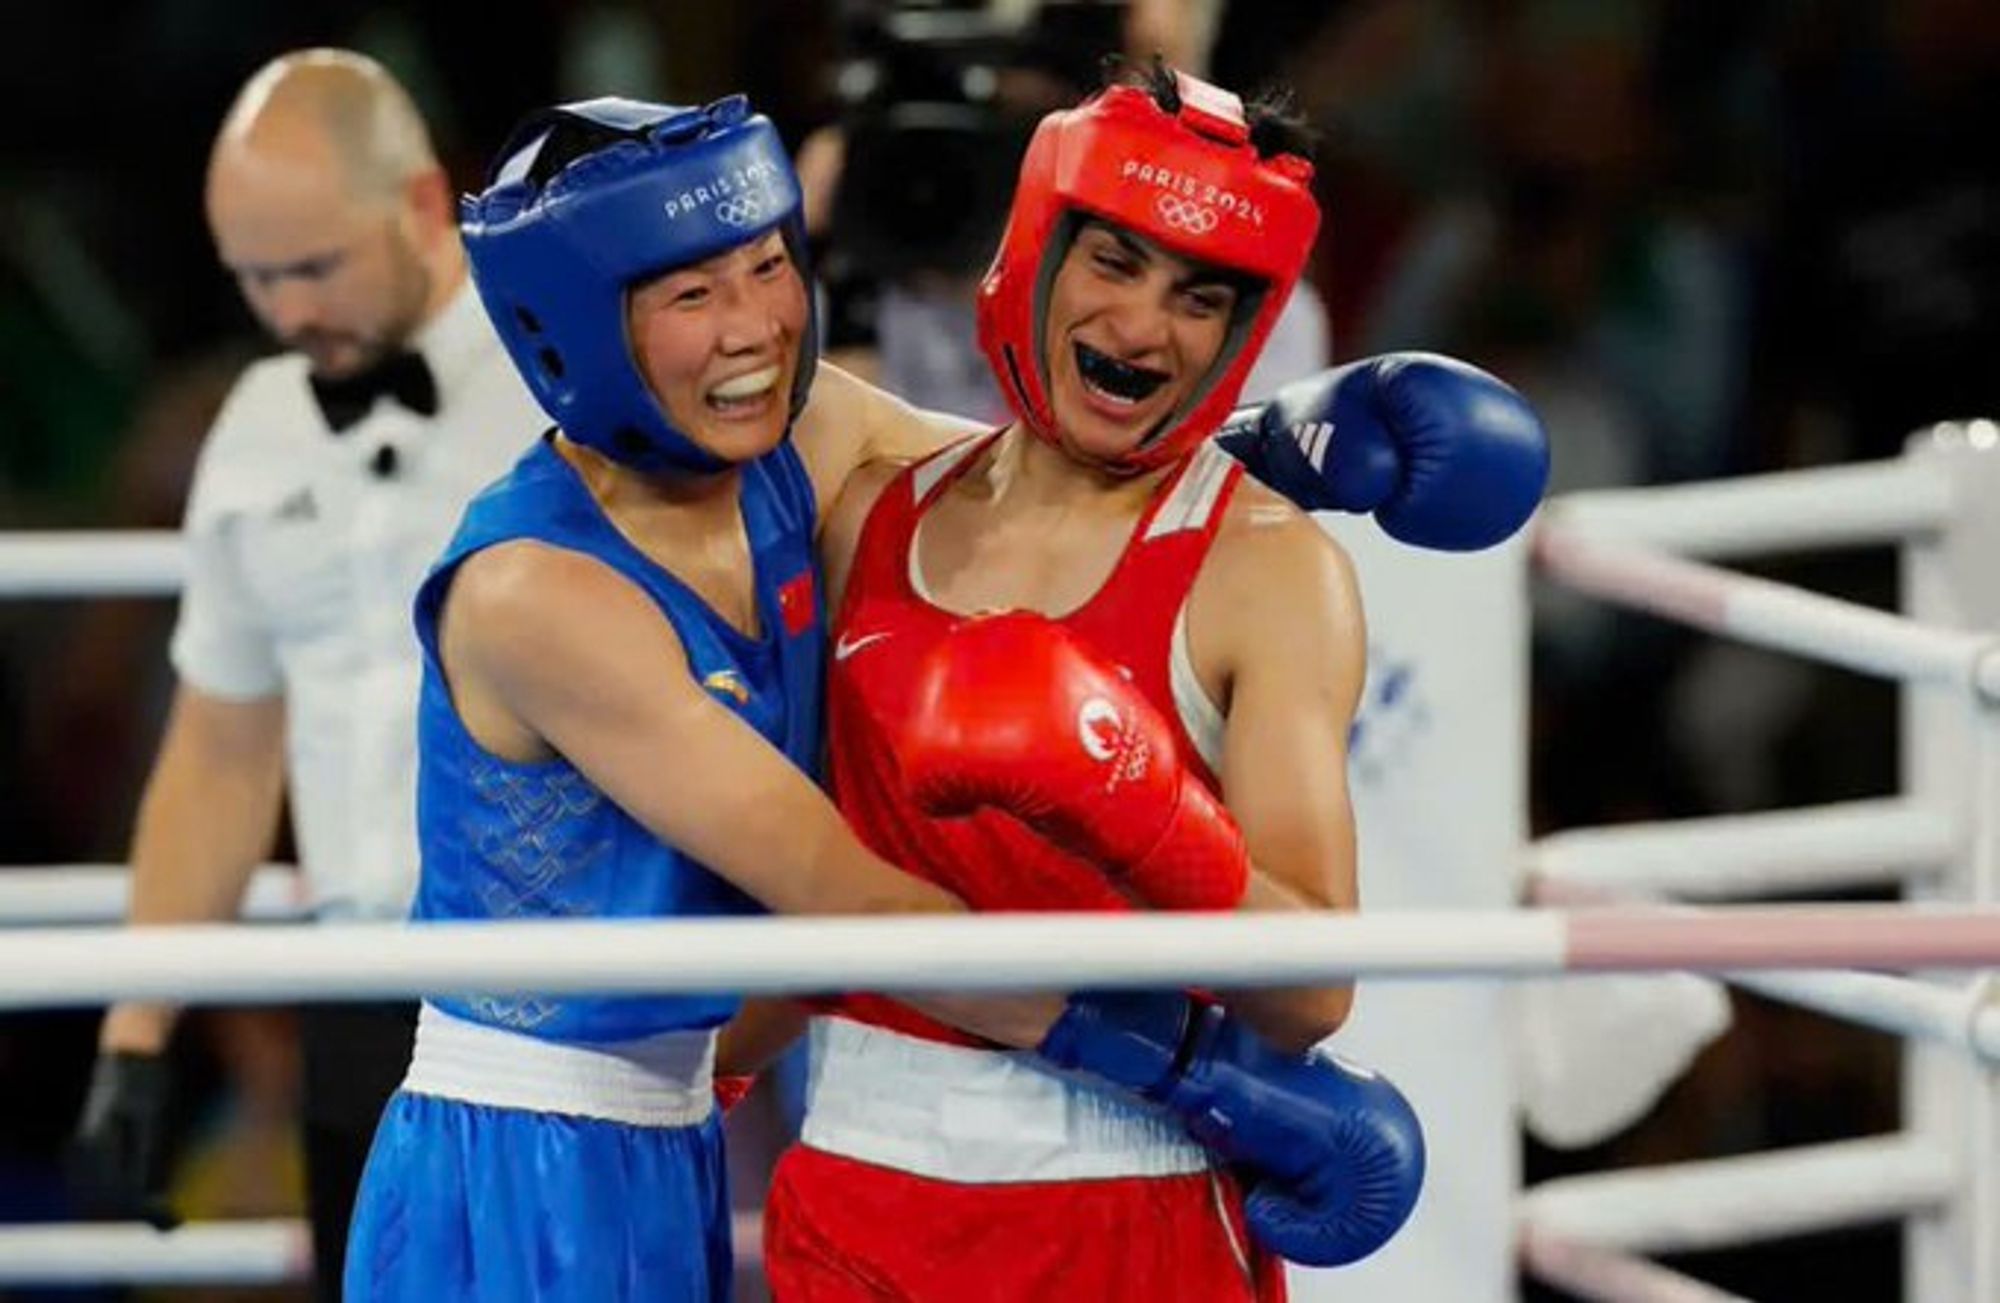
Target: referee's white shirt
<point>303,559</point>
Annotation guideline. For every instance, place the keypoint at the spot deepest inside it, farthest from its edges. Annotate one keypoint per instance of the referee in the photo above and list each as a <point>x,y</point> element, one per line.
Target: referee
<point>332,478</point>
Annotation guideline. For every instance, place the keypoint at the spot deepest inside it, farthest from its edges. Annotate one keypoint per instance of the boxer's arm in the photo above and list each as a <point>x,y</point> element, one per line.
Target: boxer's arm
<point>548,652</point>
<point>849,423</point>
<point>208,817</point>
<point>761,1030</point>
<point>1276,635</point>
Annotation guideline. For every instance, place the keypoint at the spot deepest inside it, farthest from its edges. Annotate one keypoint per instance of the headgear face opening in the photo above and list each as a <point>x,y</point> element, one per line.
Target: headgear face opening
<point>590,199</point>
<point>1189,181</point>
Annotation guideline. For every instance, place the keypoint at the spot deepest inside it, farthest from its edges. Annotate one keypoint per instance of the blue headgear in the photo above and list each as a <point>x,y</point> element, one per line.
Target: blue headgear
<point>590,199</point>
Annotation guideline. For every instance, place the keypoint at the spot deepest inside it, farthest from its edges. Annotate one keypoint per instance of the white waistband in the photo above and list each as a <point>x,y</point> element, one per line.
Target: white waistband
<point>656,1081</point>
<point>977,1117</point>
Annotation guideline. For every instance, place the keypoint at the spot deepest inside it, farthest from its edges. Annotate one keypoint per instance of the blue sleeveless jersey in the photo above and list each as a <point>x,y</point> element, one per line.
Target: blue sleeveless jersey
<point>502,840</point>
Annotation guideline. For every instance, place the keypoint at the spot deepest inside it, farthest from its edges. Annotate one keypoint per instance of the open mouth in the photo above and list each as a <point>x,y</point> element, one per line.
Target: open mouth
<point>742,393</point>
<point>1119,381</point>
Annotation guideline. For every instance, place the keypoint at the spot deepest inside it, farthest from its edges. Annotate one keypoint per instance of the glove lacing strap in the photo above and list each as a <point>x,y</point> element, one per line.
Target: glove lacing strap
<point>1197,1022</point>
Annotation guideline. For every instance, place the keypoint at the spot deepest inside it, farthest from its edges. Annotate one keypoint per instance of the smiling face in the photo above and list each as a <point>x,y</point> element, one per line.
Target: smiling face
<point>1132,331</point>
<point>718,344</point>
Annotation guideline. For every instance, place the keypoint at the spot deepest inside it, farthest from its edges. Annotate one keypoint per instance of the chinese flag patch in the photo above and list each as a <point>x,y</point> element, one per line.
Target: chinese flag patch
<point>795,602</point>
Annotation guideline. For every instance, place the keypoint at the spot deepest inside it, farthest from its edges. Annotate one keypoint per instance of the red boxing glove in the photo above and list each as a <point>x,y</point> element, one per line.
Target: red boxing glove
<point>1012,712</point>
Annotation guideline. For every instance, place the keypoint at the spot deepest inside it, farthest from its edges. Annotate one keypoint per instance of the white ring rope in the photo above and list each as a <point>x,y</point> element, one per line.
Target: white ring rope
<point>49,895</point>
<point>1737,856</point>
<point>98,563</point>
<point>1603,1275</point>
<point>1726,857</point>
<point>228,963</point>
<point>1869,504</point>
<point>1768,614</point>
<point>260,1252</point>
<point>1964,1017</point>
<point>1724,1202</point>
<point>1878,502</point>
<point>248,1252</point>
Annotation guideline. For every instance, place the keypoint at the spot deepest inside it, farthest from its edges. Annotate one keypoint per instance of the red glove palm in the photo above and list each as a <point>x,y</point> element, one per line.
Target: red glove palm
<point>1011,712</point>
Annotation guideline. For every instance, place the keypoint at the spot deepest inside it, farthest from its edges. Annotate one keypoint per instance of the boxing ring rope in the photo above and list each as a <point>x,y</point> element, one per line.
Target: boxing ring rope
<point>1898,1005</point>
<point>1864,843</point>
<point>1870,503</point>
<point>1584,1232</point>
<point>229,963</point>
<point>1868,843</point>
<point>262,1251</point>
<point>1965,1018</point>
<point>97,563</point>
<point>48,895</point>
<point>1593,1272</point>
<point>1771,615</point>
<point>224,964</point>
<point>1936,839</point>
<point>1721,1202</point>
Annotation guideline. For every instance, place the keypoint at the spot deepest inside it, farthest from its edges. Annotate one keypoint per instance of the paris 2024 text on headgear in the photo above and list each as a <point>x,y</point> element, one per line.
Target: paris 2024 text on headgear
<point>590,199</point>
<point>1189,180</point>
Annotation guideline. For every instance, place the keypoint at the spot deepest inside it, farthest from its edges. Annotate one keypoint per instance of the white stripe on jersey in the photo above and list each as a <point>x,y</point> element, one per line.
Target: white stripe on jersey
<point>1194,498</point>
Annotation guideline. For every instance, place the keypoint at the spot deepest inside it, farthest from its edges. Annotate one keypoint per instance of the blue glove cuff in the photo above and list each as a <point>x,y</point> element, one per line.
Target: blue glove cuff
<point>1140,1040</point>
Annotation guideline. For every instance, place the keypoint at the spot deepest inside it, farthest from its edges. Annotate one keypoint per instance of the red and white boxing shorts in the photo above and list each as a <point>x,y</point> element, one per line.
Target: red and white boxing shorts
<point>937,1172</point>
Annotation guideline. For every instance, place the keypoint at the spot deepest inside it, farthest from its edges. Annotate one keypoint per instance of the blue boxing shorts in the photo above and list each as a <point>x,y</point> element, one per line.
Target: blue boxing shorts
<point>513,1168</point>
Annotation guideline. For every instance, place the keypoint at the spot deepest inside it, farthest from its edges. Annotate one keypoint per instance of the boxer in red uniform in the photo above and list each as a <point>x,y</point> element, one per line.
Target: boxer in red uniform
<point>1179,637</point>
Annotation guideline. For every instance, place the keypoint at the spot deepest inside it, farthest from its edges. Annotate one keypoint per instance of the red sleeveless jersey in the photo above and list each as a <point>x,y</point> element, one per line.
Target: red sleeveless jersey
<point>885,627</point>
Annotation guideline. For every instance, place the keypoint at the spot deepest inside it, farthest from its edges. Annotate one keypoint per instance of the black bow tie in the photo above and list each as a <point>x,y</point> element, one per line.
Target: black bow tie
<point>404,377</point>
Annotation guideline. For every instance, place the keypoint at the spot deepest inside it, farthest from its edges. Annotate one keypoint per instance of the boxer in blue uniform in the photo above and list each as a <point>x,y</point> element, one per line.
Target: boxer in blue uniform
<point>621,702</point>
<point>620,710</point>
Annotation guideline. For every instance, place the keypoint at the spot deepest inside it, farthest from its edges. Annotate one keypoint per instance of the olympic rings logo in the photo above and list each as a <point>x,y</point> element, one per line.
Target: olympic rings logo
<point>1186,214</point>
<point>741,210</point>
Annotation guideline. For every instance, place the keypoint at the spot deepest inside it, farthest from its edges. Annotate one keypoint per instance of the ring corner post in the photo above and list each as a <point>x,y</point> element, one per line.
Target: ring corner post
<point>1951,762</point>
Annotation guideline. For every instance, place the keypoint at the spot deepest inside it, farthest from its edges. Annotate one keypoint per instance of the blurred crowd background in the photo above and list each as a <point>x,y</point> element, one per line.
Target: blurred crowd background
<point>1706,239</point>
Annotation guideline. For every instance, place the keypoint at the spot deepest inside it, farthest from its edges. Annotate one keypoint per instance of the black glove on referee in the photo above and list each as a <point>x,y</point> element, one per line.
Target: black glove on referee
<point>120,1156</point>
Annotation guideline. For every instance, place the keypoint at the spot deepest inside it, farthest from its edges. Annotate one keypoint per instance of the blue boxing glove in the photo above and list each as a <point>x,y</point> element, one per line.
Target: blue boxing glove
<point>1442,454</point>
<point>1334,1153</point>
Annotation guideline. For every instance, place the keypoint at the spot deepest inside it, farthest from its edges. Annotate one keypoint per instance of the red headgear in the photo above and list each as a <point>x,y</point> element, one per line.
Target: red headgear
<point>1190,182</point>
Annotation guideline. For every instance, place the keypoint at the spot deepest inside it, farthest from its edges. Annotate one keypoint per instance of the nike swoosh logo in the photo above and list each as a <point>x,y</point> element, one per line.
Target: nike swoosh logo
<point>844,647</point>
